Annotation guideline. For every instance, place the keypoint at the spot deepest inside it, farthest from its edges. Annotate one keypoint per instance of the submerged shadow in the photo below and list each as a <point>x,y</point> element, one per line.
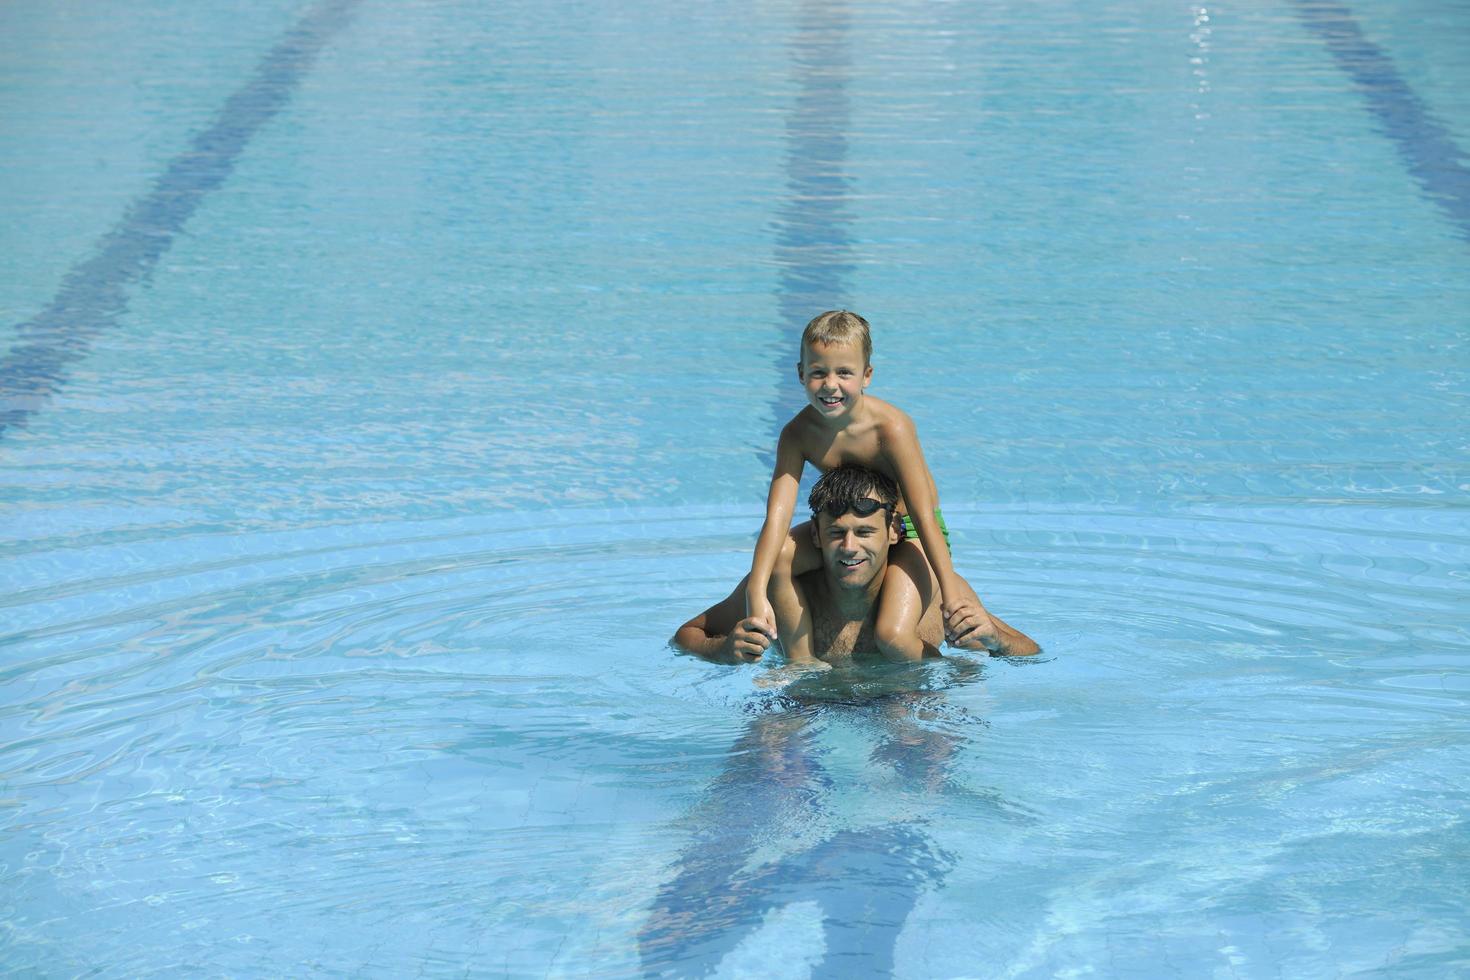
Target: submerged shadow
<point>774,790</point>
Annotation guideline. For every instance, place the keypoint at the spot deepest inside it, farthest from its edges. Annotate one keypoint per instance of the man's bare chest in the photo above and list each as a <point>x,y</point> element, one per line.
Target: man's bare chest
<point>836,636</point>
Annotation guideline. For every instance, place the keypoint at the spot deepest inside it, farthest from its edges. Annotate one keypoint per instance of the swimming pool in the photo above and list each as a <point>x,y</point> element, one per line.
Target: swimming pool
<point>384,382</point>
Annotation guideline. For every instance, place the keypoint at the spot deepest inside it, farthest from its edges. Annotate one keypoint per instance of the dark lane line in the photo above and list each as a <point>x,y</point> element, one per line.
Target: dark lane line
<point>813,245</point>
<point>1425,144</point>
<point>866,883</point>
<point>94,293</point>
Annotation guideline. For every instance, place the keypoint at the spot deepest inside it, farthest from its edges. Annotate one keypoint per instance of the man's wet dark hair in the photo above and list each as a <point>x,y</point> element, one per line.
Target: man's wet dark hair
<point>840,488</point>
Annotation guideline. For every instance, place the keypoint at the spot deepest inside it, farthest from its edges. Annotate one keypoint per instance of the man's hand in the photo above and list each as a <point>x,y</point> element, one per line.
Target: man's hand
<point>748,640</point>
<point>983,635</point>
<point>723,634</point>
<point>758,610</point>
<point>969,626</point>
<point>966,623</point>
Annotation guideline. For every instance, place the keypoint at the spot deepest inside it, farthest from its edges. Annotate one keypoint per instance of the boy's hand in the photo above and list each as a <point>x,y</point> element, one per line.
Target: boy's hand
<point>749,639</point>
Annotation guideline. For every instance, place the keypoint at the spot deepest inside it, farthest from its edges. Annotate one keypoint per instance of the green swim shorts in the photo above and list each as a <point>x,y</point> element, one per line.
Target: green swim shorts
<point>911,533</point>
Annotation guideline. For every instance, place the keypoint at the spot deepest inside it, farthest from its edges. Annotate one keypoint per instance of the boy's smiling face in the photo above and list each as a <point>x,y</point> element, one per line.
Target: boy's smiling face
<point>834,376</point>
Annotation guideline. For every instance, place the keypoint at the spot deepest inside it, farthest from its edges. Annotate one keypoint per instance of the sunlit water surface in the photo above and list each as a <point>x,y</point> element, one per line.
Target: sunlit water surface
<point>343,532</point>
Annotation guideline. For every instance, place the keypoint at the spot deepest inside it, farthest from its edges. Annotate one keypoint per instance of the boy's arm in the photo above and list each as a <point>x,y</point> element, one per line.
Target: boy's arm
<point>780,502</point>
<point>963,611</point>
<point>723,634</point>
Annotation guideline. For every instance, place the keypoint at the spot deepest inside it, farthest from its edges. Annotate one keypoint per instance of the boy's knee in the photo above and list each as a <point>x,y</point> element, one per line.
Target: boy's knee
<point>783,571</point>
<point>788,548</point>
<point>894,643</point>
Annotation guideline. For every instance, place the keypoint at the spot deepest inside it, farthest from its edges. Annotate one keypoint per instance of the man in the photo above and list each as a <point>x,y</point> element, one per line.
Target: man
<point>726,882</point>
<point>830,614</point>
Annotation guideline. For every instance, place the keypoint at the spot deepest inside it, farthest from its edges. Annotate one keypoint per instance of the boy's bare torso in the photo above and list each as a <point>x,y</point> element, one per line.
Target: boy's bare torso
<point>861,443</point>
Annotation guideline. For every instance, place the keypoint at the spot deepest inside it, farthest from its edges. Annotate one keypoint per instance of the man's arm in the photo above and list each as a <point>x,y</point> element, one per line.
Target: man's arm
<point>1013,643</point>
<point>723,634</point>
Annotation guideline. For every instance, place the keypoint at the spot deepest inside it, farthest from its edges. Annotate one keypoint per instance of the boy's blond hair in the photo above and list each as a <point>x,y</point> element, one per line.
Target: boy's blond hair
<point>838,327</point>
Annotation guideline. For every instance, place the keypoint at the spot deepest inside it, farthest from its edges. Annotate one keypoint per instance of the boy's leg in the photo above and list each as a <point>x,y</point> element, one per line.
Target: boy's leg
<point>793,616</point>
<point>908,591</point>
<point>1010,641</point>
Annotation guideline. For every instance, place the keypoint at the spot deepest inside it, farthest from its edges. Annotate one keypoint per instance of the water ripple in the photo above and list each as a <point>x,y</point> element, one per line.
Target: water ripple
<point>359,698</point>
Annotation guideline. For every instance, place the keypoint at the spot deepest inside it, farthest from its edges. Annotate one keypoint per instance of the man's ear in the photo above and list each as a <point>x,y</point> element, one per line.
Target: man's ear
<point>816,538</point>
<point>894,533</point>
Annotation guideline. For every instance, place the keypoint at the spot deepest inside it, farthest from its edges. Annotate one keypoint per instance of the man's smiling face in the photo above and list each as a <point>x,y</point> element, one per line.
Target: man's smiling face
<point>855,549</point>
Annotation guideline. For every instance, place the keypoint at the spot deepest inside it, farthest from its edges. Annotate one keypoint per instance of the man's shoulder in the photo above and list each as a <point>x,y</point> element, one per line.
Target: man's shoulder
<point>810,585</point>
<point>812,593</point>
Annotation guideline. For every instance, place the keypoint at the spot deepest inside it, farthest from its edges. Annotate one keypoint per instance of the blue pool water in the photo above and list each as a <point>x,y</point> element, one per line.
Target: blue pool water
<point>383,383</point>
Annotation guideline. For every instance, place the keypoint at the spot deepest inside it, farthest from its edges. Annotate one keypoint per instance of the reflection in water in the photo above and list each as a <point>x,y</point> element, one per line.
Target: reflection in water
<point>813,244</point>
<point>774,791</point>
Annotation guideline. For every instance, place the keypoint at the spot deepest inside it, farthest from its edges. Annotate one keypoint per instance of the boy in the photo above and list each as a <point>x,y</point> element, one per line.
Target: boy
<point>839,425</point>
